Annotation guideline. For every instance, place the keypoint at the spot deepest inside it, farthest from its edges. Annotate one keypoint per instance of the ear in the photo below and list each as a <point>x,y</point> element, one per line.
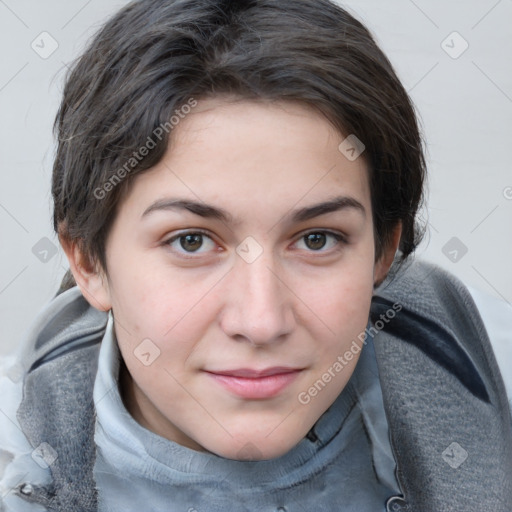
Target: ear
<point>91,279</point>
<point>387,257</point>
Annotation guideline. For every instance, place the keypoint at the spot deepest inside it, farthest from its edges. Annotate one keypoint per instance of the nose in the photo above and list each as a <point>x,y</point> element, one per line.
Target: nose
<point>258,305</point>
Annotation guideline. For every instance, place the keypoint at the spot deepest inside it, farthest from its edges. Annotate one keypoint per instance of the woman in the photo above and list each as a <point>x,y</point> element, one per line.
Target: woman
<point>234,184</point>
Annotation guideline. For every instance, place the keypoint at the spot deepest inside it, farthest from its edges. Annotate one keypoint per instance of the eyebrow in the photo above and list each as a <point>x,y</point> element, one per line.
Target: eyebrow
<point>298,215</point>
<point>334,205</point>
<point>198,208</point>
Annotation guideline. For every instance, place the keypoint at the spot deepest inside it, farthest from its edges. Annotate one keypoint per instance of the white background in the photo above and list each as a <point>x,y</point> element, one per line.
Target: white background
<point>465,106</point>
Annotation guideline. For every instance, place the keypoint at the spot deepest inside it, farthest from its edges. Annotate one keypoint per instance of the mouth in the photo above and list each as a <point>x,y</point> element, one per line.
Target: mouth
<point>255,384</point>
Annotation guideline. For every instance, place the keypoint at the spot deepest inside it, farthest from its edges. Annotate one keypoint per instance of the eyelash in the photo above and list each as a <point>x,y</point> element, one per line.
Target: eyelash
<point>187,255</point>
<point>340,239</point>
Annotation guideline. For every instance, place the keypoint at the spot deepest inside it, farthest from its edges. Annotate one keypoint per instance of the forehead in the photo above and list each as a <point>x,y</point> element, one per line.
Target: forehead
<point>247,153</point>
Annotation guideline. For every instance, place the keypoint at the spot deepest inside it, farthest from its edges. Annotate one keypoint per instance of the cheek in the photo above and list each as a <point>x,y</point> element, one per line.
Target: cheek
<point>343,305</point>
<point>347,309</point>
<point>174,316</point>
<point>151,300</point>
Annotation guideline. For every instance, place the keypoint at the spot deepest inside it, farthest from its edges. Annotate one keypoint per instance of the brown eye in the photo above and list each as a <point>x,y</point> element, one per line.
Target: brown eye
<point>315,241</point>
<point>192,242</point>
<point>321,241</point>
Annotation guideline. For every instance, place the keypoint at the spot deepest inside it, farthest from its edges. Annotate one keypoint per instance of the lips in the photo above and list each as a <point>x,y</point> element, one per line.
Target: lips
<point>255,384</point>
<point>254,374</point>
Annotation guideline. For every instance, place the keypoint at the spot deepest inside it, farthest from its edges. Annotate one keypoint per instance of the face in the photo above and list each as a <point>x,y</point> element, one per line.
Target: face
<point>239,269</point>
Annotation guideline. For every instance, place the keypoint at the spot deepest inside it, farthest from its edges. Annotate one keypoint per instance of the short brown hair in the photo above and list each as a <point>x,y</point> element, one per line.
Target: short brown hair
<point>154,55</point>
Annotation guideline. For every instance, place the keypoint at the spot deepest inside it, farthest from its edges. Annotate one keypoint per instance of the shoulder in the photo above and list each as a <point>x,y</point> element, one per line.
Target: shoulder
<point>474,326</point>
<point>48,405</point>
<point>442,388</point>
<point>18,458</point>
